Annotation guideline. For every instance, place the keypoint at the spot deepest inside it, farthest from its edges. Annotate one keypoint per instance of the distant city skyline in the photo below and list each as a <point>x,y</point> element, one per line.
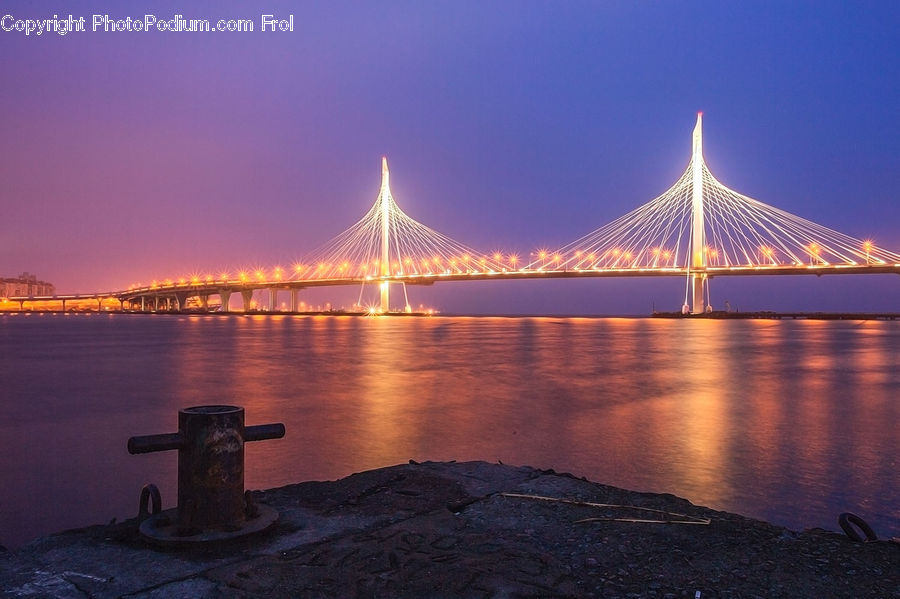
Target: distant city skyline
<point>26,284</point>
<point>134,156</point>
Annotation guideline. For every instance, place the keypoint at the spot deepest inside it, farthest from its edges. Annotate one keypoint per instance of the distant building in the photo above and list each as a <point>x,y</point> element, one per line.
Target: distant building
<point>25,285</point>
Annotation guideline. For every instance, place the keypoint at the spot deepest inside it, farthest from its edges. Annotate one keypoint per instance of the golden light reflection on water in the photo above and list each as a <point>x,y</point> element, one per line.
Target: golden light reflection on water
<point>721,412</point>
<point>703,410</point>
<point>390,414</point>
<point>764,397</point>
<point>817,369</point>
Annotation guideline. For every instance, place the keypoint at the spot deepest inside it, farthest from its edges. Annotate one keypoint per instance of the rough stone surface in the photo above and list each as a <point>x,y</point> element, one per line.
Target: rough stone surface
<point>465,530</point>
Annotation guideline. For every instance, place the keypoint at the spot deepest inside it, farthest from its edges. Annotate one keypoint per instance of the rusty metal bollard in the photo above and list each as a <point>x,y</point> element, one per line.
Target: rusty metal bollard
<point>212,504</point>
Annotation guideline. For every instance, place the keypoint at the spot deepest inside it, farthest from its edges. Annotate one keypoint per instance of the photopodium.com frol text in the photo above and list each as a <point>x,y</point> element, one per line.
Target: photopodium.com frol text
<point>147,23</point>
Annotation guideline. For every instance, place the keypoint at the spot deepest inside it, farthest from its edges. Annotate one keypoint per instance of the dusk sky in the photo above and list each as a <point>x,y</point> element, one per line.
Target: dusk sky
<point>129,156</point>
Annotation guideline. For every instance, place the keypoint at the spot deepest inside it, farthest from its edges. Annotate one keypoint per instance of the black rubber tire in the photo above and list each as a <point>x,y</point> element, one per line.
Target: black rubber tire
<point>848,521</point>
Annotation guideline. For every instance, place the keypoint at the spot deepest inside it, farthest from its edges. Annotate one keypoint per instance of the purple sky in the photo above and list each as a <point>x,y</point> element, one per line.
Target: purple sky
<point>139,155</point>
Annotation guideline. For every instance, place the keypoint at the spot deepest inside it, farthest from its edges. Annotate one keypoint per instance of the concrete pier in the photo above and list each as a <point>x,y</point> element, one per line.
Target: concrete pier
<point>465,530</point>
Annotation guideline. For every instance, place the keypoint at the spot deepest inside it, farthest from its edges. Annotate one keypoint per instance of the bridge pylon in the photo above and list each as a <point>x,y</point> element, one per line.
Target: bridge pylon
<point>384,196</point>
<point>698,242</point>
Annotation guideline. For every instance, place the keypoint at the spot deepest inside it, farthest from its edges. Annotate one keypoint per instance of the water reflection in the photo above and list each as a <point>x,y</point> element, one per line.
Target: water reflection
<point>792,421</point>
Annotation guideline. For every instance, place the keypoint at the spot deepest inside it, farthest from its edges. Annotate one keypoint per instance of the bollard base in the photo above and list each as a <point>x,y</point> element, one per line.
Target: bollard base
<point>161,529</point>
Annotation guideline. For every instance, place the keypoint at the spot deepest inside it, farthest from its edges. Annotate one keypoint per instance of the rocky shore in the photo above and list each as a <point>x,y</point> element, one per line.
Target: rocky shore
<point>465,530</point>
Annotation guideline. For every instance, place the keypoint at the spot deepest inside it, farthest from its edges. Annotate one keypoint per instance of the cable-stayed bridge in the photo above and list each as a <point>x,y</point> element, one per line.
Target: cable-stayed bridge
<point>696,229</point>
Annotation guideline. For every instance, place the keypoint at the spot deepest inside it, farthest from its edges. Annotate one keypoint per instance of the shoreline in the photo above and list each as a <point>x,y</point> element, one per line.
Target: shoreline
<point>715,315</point>
<point>470,529</point>
<point>771,315</point>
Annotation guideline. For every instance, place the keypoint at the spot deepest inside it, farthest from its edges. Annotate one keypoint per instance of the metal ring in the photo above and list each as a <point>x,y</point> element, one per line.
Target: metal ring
<point>848,521</point>
<point>151,502</point>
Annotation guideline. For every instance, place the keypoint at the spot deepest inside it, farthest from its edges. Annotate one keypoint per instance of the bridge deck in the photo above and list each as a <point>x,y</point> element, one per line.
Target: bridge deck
<point>215,287</point>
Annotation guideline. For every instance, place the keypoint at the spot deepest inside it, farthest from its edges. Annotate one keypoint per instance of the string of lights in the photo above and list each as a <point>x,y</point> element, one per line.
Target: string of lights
<point>737,232</point>
<point>412,248</point>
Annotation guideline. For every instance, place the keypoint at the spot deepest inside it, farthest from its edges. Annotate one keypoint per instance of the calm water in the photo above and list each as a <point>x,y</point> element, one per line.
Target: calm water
<point>792,421</point>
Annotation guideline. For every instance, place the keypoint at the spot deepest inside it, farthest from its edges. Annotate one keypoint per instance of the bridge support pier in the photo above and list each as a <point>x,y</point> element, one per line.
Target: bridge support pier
<point>247,296</point>
<point>273,298</point>
<point>99,305</point>
<point>225,299</point>
<point>64,305</point>
<point>385,297</point>
<point>204,303</point>
<point>181,302</point>
<point>295,300</point>
<point>697,280</point>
